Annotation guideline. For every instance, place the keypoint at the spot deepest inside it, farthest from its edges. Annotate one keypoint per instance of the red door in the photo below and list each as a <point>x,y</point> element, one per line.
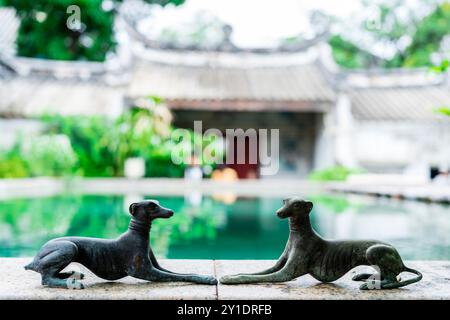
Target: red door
<point>250,168</point>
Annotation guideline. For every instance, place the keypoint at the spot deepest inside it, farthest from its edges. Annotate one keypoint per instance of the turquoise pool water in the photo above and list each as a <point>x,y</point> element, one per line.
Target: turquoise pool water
<point>242,228</point>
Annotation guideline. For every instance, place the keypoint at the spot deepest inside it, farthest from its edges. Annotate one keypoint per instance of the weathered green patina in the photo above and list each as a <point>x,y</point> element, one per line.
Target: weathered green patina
<point>307,253</point>
<point>110,259</point>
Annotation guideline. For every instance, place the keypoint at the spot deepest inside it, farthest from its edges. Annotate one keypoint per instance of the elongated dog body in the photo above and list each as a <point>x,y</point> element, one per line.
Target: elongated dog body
<point>128,255</point>
<point>307,253</point>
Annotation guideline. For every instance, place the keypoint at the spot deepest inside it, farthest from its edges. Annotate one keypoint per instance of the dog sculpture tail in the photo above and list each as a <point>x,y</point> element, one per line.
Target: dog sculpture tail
<point>406,282</point>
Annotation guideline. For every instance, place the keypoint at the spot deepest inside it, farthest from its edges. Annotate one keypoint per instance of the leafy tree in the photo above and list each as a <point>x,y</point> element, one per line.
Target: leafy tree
<point>348,55</point>
<point>427,38</point>
<point>48,31</point>
<point>411,38</point>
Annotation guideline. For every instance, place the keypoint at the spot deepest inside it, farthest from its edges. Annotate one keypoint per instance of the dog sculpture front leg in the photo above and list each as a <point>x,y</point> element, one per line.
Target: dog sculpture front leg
<point>155,262</point>
<point>287,273</point>
<point>281,262</point>
<point>157,265</point>
<point>150,273</point>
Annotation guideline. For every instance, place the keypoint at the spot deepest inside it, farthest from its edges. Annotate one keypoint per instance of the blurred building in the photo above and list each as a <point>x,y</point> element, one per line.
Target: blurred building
<point>379,120</point>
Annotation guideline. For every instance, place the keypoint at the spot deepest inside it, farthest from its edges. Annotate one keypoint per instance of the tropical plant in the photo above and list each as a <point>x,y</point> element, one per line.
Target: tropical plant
<point>103,144</point>
<point>98,146</point>
<point>93,140</point>
<point>48,155</point>
<point>45,155</point>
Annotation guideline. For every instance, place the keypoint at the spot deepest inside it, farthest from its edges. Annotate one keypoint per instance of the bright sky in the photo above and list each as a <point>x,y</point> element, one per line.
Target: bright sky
<point>263,23</point>
<point>258,22</point>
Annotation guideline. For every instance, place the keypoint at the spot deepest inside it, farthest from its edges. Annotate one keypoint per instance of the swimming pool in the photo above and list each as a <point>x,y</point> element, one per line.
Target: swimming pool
<point>224,226</point>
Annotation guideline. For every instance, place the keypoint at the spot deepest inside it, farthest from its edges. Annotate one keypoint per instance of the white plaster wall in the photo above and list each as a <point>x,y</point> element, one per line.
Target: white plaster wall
<point>324,149</point>
<point>403,147</point>
<point>344,132</point>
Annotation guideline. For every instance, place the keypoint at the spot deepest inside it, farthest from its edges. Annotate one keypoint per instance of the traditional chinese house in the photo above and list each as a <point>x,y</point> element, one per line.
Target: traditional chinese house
<point>382,121</point>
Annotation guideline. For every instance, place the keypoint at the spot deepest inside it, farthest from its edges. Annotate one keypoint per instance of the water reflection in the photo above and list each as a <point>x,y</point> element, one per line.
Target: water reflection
<point>210,228</point>
<point>419,230</point>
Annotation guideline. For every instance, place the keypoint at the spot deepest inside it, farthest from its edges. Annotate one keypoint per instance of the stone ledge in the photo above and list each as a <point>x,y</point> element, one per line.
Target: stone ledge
<point>16,283</point>
<point>33,187</point>
<point>434,285</point>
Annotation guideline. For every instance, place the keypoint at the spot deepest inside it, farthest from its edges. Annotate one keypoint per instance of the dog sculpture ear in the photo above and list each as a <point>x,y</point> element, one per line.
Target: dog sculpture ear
<point>131,209</point>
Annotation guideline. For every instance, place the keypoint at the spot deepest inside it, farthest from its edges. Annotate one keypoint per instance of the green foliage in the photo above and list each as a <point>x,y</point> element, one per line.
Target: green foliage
<point>395,22</point>
<point>92,140</point>
<point>443,110</point>
<point>48,155</point>
<point>12,166</point>
<point>427,38</point>
<point>44,31</point>
<point>98,146</point>
<point>442,67</point>
<point>349,55</point>
<point>336,173</point>
<point>335,204</point>
<point>102,144</point>
<point>158,163</point>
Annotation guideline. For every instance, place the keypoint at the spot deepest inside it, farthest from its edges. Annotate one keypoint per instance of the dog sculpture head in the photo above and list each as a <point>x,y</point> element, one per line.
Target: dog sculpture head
<point>148,210</point>
<point>294,206</point>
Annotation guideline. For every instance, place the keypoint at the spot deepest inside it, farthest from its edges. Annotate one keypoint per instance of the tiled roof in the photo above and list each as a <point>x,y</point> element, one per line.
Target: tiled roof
<point>26,96</point>
<point>409,103</point>
<point>283,83</point>
<point>287,86</point>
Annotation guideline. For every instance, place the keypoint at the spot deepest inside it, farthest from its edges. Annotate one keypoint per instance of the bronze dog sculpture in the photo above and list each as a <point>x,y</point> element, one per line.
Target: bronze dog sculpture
<point>128,255</point>
<point>306,252</point>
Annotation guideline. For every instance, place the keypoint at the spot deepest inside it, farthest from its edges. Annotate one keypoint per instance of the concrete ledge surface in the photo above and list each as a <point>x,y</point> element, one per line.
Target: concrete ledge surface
<point>434,285</point>
<point>16,283</point>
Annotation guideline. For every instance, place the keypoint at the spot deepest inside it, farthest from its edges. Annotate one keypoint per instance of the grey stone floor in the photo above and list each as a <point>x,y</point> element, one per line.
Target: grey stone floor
<point>16,283</point>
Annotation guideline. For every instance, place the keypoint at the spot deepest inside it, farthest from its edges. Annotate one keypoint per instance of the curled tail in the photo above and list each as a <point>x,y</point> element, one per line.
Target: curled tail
<point>406,282</point>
